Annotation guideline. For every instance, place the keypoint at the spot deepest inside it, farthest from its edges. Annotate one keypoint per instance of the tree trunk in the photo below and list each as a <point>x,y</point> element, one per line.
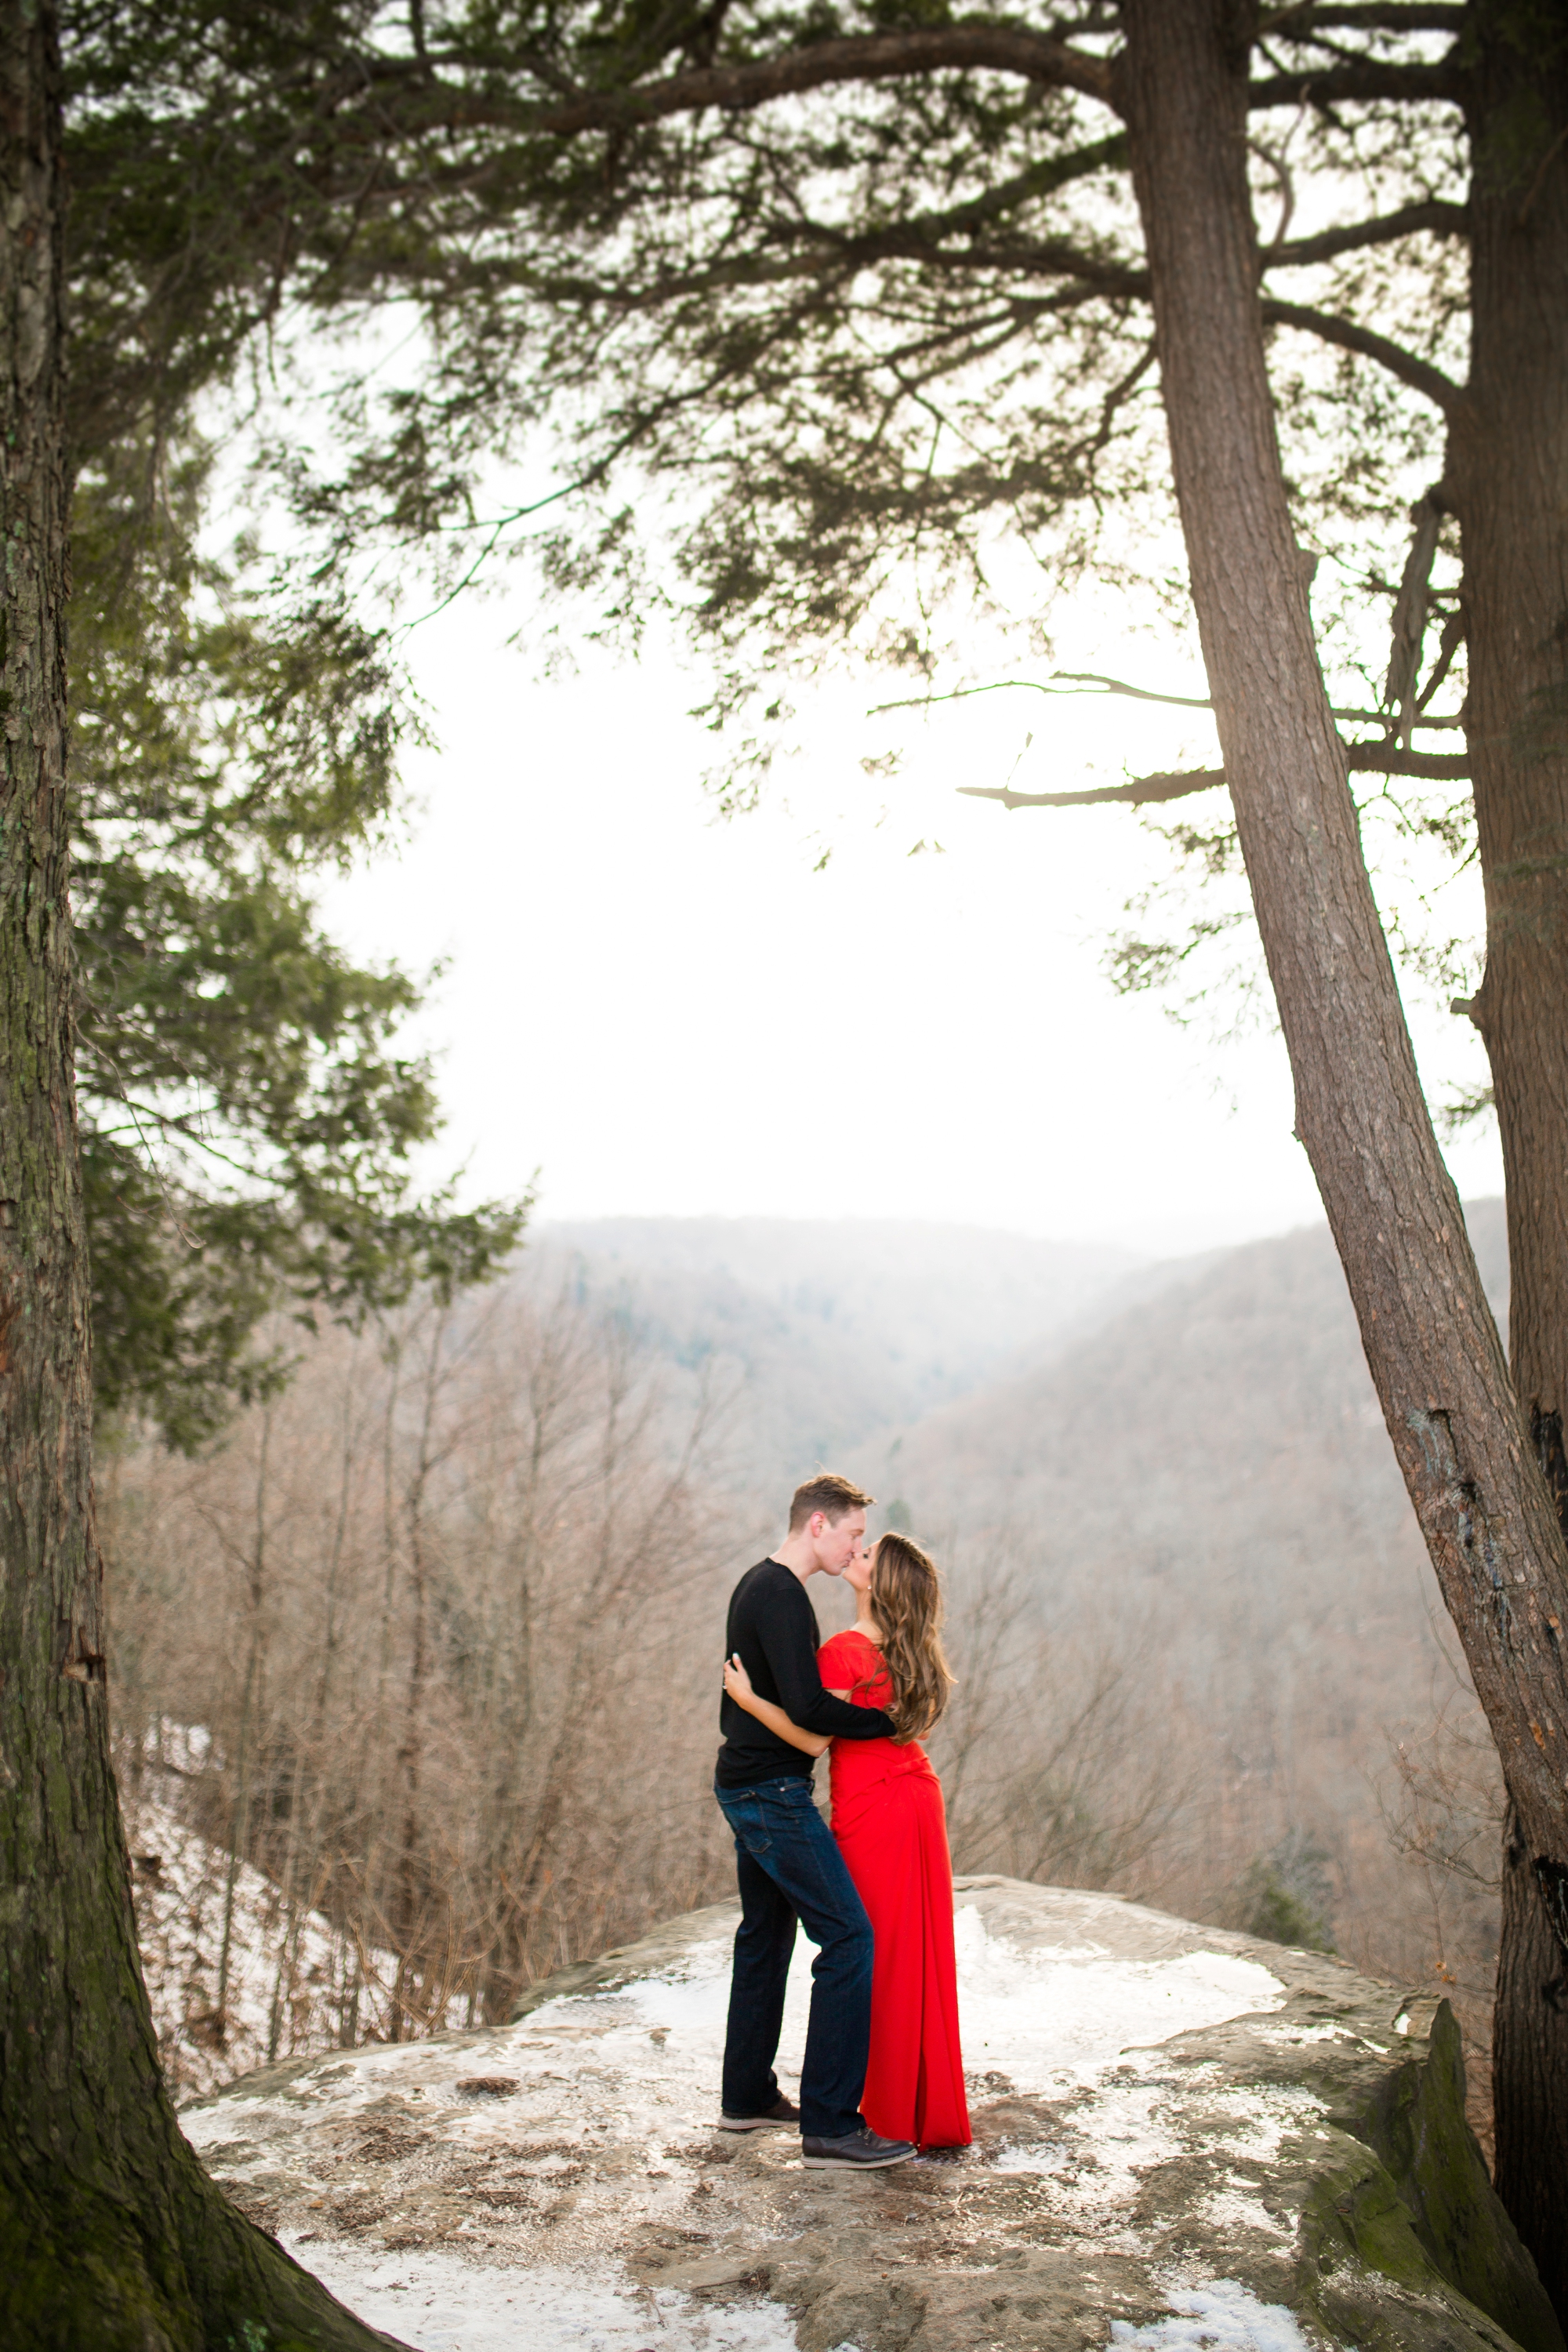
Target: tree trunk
<point>1507,479</point>
<point>1484,1510</point>
<point>1530,2054</point>
<point>111,2234</point>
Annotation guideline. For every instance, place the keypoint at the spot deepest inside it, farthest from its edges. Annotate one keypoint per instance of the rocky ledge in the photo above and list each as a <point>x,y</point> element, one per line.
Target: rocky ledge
<point>1183,2139</point>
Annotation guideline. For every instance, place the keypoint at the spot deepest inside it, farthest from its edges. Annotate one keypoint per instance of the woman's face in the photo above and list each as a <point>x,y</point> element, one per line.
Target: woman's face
<point>861,1568</point>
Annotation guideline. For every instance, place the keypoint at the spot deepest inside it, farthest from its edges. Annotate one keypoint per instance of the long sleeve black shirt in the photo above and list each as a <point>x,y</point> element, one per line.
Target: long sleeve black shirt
<point>772,1626</point>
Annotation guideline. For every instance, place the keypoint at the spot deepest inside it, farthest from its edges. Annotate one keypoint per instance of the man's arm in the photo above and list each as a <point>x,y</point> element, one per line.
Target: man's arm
<point>786,1634</point>
<point>738,1683</point>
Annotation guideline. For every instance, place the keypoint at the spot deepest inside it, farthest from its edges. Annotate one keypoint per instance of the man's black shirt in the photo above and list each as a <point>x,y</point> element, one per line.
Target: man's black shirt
<point>772,1626</point>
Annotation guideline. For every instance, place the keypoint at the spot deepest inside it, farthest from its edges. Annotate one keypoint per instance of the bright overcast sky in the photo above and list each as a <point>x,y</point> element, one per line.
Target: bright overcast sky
<point>668,1016</point>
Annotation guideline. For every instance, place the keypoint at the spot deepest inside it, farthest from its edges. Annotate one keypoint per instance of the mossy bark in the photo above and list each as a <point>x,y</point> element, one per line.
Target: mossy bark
<point>1506,477</point>
<point>1417,2126</point>
<point>111,2234</point>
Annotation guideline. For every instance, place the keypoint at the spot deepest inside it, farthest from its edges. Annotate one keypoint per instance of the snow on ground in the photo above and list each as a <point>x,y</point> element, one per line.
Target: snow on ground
<point>1046,2020</point>
<point>1035,2023</point>
<point>439,2303</point>
<point>1050,2019</point>
<point>625,2084</point>
<point>1218,2317</point>
<point>296,1984</point>
<point>272,2008</point>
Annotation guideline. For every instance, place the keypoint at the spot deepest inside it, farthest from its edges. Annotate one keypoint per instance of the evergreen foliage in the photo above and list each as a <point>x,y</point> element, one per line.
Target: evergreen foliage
<point>820,380</point>
<point>246,1116</point>
<point>806,380</point>
<point>884,325</point>
<point>1285,1895</point>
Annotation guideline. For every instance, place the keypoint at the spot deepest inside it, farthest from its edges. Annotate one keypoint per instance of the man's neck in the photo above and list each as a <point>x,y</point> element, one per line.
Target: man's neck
<point>798,1555</point>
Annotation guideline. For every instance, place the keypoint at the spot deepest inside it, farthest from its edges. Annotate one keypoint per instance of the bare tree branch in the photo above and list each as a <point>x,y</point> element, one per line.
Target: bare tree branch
<point>1071,678</point>
<point>1410,605</point>
<point>1392,760</point>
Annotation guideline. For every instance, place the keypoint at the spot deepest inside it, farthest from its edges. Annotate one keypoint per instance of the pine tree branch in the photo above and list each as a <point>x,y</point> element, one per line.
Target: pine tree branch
<point>817,245</point>
<point>1444,220</point>
<point>871,57</point>
<point>1041,179</point>
<point>1363,759</point>
<point>881,57</point>
<point>1142,790</point>
<point>1375,16</point>
<point>1368,78</point>
<point>1419,373</point>
<point>1393,759</point>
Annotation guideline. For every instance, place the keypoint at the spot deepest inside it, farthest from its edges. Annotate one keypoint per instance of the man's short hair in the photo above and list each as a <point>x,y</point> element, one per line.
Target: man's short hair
<point>830,1494</point>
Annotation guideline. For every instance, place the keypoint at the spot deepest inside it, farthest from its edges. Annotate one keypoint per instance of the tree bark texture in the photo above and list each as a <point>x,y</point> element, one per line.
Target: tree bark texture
<point>1484,1508</point>
<point>1529,2063</point>
<point>111,2234</point>
<point>1506,477</point>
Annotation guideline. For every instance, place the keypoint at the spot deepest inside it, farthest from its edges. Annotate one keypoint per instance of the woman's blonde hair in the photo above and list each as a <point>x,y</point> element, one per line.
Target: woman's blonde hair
<point>906,1594</point>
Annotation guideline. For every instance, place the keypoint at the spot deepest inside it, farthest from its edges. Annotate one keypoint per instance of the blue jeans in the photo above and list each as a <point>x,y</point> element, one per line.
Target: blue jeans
<point>790,1869</point>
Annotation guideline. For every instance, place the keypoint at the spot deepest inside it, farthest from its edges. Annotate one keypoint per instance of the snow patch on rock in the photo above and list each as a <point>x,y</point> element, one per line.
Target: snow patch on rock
<point>1158,2113</point>
<point>1049,2019</point>
<point>1218,2317</point>
<point>437,2301</point>
<point>296,1983</point>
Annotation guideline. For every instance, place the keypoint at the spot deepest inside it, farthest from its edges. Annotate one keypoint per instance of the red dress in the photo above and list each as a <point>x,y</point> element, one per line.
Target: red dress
<point>891,1828</point>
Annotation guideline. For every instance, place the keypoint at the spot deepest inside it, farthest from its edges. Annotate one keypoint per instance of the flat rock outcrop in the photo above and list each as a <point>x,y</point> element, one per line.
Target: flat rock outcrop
<point>1183,2139</point>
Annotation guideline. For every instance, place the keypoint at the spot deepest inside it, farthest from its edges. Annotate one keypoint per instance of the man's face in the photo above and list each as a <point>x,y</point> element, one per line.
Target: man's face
<point>839,1541</point>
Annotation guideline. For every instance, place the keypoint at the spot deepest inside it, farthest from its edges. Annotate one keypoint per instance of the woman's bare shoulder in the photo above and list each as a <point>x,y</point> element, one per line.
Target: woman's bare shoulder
<point>847,1644</point>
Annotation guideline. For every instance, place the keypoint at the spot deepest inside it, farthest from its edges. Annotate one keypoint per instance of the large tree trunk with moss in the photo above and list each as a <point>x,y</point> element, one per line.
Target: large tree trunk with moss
<point>111,2234</point>
<point>1483,1505</point>
<point>1507,478</point>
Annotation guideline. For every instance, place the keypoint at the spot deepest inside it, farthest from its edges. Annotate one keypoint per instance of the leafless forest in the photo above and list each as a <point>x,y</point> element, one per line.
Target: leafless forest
<point>441,1612</point>
<point>431,1642</point>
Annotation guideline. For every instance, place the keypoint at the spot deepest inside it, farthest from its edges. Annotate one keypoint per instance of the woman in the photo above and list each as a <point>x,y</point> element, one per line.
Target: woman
<point>888,1821</point>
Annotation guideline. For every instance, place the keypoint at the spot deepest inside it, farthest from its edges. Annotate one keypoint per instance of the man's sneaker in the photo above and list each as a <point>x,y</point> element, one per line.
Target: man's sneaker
<point>784,2112</point>
<point>861,2151</point>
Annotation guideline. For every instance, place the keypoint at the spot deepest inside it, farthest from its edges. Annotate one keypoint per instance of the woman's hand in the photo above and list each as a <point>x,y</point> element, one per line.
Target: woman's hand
<point>738,1683</point>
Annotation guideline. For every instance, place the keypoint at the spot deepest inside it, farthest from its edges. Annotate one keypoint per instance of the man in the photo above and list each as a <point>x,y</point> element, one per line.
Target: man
<point>789,1867</point>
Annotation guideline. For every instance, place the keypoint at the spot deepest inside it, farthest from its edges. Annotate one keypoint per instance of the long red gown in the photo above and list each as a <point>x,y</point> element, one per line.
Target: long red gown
<point>888,1819</point>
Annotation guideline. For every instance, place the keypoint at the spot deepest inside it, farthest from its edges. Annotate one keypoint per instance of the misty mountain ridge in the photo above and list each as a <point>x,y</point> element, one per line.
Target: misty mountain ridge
<point>847,1337</point>
<point>834,1332</point>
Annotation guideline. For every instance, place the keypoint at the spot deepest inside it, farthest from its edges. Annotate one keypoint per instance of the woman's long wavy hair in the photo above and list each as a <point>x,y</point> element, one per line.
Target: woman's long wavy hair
<point>906,1594</point>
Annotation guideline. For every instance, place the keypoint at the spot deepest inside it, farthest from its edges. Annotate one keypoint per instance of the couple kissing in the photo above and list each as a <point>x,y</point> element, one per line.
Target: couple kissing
<point>883,2073</point>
